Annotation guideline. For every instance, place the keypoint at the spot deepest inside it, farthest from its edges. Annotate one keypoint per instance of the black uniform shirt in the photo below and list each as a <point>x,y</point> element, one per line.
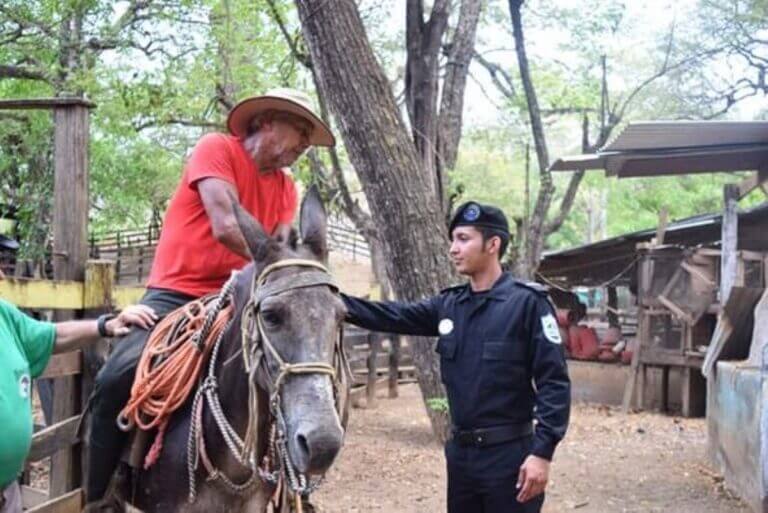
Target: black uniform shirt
<point>501,359</point>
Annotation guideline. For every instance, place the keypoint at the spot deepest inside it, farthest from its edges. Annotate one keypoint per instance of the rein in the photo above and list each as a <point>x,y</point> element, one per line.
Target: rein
<point>277,468</point>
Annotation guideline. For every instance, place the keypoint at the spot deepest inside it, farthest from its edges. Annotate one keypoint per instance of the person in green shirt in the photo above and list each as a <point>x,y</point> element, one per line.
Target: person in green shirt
<point>26,346</point>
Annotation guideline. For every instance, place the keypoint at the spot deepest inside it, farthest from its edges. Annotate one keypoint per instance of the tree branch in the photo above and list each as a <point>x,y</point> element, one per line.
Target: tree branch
<point>21,72</point>
<point>506,87</point>
<point>452,101</point>
<point>200,123</point>
<point>298,55</point>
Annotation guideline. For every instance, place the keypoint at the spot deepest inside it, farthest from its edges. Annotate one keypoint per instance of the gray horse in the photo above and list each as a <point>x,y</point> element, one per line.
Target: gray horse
<point>302,325</point>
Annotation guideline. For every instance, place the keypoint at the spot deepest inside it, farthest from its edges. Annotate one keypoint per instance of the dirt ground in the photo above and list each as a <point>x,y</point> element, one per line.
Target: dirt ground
<point>608,463</point>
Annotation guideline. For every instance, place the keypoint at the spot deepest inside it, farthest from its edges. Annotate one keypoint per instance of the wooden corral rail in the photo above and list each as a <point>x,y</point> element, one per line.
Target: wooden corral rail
<point>376,361</point>
<point>96,293</point>
<point>134,250</point>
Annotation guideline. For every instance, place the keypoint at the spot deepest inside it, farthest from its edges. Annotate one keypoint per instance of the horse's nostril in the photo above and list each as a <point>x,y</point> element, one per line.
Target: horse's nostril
<point>303,444</point>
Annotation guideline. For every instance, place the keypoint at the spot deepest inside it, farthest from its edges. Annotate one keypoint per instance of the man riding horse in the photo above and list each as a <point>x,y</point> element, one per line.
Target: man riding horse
<point>201,242</point>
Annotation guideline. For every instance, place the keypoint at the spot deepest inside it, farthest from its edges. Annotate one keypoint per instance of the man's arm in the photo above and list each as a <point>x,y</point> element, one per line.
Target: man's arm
<point>215,194</point>
<point>73,335</point>
<point>392,317</point>
<point>553,398</point>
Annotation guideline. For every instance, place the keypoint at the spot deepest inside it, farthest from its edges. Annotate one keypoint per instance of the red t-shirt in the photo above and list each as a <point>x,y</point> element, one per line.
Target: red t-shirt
<point>188,258</point>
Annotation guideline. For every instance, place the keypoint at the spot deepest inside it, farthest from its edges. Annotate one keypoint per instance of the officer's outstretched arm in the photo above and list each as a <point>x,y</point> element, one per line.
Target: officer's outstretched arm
<point>553,387</point>
<point>390,316</point>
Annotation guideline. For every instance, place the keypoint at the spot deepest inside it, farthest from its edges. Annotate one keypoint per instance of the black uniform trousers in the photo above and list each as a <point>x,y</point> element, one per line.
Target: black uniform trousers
<point>113,389</point>
<point>483,479</point>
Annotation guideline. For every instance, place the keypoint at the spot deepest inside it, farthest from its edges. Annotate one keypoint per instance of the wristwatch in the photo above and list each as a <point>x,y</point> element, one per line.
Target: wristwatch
<point>101,324</point>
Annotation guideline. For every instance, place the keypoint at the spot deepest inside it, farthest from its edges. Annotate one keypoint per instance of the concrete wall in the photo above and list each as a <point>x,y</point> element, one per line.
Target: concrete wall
<point>603,383</point>
<point>737,423</point>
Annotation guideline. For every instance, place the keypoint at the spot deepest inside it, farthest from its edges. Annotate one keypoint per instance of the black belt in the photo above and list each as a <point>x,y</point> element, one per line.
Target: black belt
<point>492,435</point>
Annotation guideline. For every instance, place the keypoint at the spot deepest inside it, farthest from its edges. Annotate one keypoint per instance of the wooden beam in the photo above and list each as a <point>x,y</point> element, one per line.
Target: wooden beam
<point>661,229</point>
<point>729,241</point>
<point>70,191</point>
<point>64,294</point>
<point>123,296</point>
<point>65,364</point>
<point>653,356</point>
<point>99,282</point>
<point>642,327</point>
<point>29,293</point>
<point>375,347</point>
<point>749,184</point>
<point>71,502</point>
<point>52,439</point>
<point>31,497</point>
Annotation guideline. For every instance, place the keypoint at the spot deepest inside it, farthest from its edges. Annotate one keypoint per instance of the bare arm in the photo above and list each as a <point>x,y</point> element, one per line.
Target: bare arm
<point>215,194</point>
<point>73,335</point>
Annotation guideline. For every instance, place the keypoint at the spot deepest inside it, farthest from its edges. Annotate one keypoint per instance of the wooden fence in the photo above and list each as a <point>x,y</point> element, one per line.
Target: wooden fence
<point>377,360</point>
<point>72,380</point>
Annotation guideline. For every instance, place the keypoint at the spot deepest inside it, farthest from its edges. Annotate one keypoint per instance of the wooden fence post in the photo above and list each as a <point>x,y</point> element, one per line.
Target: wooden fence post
<point>394,364</point>
<point>374,344</point>
<point>70,251</point>
<point>729,241</point>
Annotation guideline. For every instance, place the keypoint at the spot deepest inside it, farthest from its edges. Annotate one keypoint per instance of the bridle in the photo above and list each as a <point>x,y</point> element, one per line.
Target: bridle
<point>276,467</point>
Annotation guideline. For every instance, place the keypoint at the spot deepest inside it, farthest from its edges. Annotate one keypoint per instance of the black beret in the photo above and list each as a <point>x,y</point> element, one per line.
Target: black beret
<point>472,213</point>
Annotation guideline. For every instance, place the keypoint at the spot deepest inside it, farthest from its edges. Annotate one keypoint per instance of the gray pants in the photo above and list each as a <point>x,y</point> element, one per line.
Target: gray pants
<point>10,502</point>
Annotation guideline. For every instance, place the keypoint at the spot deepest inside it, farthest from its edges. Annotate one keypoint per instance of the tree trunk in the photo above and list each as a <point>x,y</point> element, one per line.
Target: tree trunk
<point>400,196</point>
<point>536,229</point>
<point>423,43</point>
<point>459,55</point>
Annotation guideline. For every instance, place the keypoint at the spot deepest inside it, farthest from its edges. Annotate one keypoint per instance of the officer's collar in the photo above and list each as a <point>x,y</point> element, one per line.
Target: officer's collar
<point>498,291</point>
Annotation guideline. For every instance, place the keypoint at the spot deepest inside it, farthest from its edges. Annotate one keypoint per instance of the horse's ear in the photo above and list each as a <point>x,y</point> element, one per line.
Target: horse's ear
<point>263,248</point>
<point>313,224</point>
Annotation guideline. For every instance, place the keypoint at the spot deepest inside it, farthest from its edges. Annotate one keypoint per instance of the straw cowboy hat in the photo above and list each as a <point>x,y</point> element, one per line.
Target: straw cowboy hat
<point>282,99</point>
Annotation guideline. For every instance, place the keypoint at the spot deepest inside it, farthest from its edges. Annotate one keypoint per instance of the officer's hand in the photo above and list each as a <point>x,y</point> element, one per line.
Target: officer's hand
<point>138,315</point>
<point>532,478</point>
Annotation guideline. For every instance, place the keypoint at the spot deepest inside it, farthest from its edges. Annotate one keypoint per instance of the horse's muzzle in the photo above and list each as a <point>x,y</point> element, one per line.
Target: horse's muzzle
<point>313,447</point>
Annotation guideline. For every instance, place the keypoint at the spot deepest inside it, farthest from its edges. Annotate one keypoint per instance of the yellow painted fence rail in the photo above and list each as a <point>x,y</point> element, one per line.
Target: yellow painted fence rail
<point>98,290</point>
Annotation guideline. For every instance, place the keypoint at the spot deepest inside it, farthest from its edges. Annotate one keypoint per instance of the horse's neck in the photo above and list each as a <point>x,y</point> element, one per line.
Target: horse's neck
<point>233,391</point>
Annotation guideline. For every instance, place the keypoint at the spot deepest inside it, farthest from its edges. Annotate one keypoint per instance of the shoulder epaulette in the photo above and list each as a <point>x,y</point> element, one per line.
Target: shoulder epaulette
<point>534,286</point>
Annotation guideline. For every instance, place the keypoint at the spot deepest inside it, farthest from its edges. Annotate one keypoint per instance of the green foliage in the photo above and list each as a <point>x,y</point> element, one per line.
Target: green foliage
<point>163,78</point>
<point>159,79</point>
<point>438,404</point>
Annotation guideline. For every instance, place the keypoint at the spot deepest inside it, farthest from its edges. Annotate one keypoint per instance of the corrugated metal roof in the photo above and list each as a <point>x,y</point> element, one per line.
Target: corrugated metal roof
<point>680,147</point>
<point>670,162</point>
<point>593,263</point>
<point>655,135</point>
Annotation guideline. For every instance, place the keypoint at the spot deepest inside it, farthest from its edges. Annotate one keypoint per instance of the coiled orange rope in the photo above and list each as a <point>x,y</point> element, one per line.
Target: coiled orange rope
<point>169,367</point>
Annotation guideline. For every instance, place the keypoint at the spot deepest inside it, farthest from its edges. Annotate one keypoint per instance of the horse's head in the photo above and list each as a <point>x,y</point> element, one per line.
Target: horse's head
<point>296,322</point>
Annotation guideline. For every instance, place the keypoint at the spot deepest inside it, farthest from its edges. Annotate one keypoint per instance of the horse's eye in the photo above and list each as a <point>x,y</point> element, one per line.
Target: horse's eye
<point>271,317</point>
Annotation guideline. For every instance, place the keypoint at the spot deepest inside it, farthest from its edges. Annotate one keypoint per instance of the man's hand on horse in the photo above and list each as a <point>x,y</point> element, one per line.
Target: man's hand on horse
<point>142,316</point>
<point>532,478</point>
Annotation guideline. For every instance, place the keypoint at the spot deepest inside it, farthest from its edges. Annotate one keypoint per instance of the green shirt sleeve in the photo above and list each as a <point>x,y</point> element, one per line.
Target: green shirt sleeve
<point>35,337</point>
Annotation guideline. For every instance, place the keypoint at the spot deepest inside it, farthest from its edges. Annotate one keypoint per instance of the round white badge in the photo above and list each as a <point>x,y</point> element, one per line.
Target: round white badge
<point>445,327</point>
<point>549,326</point>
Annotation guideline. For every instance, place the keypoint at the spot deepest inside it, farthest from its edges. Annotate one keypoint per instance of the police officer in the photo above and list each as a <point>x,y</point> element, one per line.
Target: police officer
<point>502,364</point>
